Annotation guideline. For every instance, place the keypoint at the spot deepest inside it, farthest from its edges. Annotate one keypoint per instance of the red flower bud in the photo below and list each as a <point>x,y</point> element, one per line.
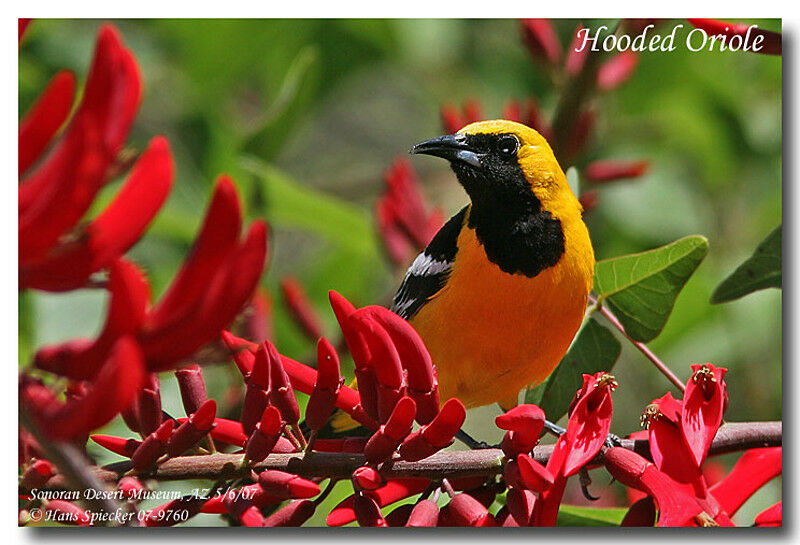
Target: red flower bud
<point>300,308</point>
<point>227,431</point>
<point>367,511</point>
<point>293,514</point>
<point>118,445</point>
<point>526,422</point>
<point>367,478</point>
<point>244,511</point>
<point>67,513</point>
<point>534,475</point>
<point>281,393</point>
<point>598,172</point>
<point>287,485</point>
<point>265,435</point>
<point>243,352</point>
<point>575,54</point>
<point>148,406</point>
<point>542,41</point>
<point>152,447</point>
<point>385,441</point>
<point>385,362</point>
<point>436,435</point>
<point>192,386</point>
<point>701,411</point>
<point>521,504</point>
<point>255,401</point>
<point>464,510</point>
<point>425,514</point>
<point>617,70</point>
<point>174,512</point>
<point>37,474</point>
<point>193,429</point>
<point>131,487</point>
<point>258,322</point>
<point>326,389</point>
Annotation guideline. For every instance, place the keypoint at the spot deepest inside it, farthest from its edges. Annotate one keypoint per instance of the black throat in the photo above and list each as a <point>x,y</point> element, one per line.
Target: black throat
<point>517,235</point>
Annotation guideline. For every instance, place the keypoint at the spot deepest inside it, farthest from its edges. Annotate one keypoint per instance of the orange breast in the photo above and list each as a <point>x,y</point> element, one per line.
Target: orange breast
<point>490,333</point>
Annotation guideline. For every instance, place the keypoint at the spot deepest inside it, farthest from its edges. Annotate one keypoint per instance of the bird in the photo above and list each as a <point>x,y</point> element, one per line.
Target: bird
<point>502,288</point>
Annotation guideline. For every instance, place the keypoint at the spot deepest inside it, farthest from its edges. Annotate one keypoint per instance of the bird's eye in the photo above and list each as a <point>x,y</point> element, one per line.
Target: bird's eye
<point>507,145</point>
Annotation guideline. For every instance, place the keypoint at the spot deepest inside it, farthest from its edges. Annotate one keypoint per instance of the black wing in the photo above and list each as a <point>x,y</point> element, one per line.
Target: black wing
<point>428,274</point>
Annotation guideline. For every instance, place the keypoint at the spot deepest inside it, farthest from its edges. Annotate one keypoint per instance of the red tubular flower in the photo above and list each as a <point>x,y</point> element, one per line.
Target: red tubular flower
<point>616,71</point>
<point>541,39</point>
<point>326,388</point>
<point>367,478</point>
<point>153,446</point>
<point>704,401</point>
<point>300,307</point>
<point>525,423</point>
<point>287,485</point>
<point>227,431</point>
<point>67,512</point>
<point>192,387</point>
<point>192,430</point>
<point>394,490</point>
<point>534,475</point>
<point>771,516</point>
<point>521,504</point>
<point>258,322</point>
<point>576,55</point>
<point>55,196</point>
<point>385,441</point>
<point>395,242</point>
<point>68,265</point>
<point>265,435</point>
<point>148,406</point>
<point>81,359</point>
<point>367,511</point>
<point>244,511</point>
<point>609,171</point>
<point>131,487</point>
<point>256,397</point>
<point>753,470</point>
<point>293,514</point>
<point>770,43</point>
<point>112,391</point>
<point>589,421</point>
<point>435,436</point>
<point>675,507</point>
<point>425,514</point>
<point>118,445</point>
<point>174,512</point>
<point>668,446</point>
<point>40,124</point>
<point>464,510</point>
<point>37,474</point>
<point>385,362</point>
<point>281,393</point>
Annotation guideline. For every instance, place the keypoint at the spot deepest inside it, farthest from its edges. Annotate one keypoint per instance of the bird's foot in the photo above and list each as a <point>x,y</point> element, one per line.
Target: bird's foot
<point>471,442</point>
<point>611,441</point>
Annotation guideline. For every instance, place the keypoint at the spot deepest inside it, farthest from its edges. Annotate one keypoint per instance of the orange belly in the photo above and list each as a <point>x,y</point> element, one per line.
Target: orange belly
<point>490,333</point>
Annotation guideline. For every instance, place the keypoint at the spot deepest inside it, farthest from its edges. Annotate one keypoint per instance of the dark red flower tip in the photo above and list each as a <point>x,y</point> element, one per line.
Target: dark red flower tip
<point>265,436</point>
<point>242,351</point>
<point>769,44</point>
<point>67,512</point>
<point>526,421</point>
<point>521,504</point>
<point>704,401</point>
<point>281,393</point>
<point>367,511</point>
<point>118,445</point>
<point>367,478</point>
<point>771,516</point>
<point>329,381</point>
<point>287,485</point>
<point>612,170</point>
<point>293,514</point>
<point>192,387</point>
<point>464,510</point>
<point>244,511</point>
<point>40,124</point>
<point>153,446</point>
<point>174,512</point>
<point>192,430</point>
<point>541,39</point>
<point>385,441</point>
<point>300,308</point>
<point>617,70</point>
<point>260,373</point>
<point>641,514</point>
<point>37,474</point>
<point>425,514</point>
<point>534,475</point>
<point>131,487</point>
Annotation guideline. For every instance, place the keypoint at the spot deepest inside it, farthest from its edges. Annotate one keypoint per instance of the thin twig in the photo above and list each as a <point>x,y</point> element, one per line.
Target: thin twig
<point>660,365</point>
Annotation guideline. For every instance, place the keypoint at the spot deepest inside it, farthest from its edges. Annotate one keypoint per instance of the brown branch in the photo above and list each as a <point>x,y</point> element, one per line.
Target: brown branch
<point>731,437</point>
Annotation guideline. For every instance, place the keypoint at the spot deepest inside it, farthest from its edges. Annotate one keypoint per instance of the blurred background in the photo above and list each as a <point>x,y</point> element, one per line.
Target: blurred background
<point>306,115</point>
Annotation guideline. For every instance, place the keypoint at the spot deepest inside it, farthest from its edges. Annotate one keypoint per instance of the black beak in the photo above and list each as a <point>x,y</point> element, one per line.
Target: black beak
<point>452,147</point>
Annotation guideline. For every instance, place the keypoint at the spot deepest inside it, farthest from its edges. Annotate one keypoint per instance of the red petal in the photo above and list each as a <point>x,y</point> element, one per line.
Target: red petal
<point>300,307</point>
<point>192,387</point>
<point>617,70</point>
<point>41,123</point>
<point>534,475</point>
<point>771,516</point>
<point>541,39</point>
<point>753,470</point>
<point>576,55</point>
<point>607,171</point>
<point>293,514</point>
<point>68,511</point>
<point>701,412</point>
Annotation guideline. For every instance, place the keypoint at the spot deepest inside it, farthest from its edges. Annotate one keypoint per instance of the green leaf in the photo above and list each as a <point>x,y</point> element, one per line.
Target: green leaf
<point>594,349</point>
<point>573,515</point>
<point>761,270</point>
<point>641,288</point>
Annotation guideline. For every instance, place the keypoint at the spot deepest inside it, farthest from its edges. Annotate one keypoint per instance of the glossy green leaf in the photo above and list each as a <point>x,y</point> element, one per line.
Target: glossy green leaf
<point>595,349</point>
<point>642,288</point>
<point>573,515</point>
<point>761,270</point>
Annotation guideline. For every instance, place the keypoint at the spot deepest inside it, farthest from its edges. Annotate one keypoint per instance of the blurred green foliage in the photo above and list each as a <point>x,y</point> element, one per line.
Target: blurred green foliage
<point>306,114</point>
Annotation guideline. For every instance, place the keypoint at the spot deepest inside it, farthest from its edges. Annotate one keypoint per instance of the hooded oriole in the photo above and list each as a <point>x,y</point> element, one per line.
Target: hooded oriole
<point>502,288</point>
